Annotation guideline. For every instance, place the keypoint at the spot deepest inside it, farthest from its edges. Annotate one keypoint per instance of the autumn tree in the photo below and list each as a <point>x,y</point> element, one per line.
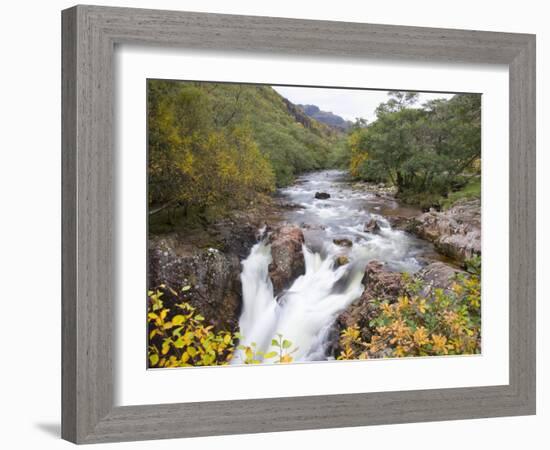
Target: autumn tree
<point>195,162</point>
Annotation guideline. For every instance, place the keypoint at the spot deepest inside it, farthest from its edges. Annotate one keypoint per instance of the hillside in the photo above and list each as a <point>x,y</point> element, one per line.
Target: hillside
<point>293,142</point>
<point>326,117</point>
<point>217,146</point>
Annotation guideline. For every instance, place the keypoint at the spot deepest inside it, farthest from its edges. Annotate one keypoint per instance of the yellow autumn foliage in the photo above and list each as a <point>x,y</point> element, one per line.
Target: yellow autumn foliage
<point>179,337</point>
<point>419,324</point>
<point>194,164</point>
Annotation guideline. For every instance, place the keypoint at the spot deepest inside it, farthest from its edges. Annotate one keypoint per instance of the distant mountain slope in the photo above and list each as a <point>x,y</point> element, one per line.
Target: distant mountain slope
<point>325,117</point>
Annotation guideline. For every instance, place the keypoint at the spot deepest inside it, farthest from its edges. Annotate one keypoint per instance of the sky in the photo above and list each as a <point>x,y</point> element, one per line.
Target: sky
<point>347,103</point>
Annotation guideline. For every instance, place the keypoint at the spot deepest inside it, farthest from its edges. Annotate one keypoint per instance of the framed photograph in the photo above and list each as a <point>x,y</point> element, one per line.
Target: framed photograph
<point>278,224</point>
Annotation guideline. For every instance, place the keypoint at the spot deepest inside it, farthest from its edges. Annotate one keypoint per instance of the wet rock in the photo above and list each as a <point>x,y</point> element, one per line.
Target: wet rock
<point>291,205</point>
<point>287,257</point>
<point>322,195</point>
<point>400,222</point>
<point>341,260</point>
<point>343,242</point>
<point>380,283</point>
<point>214,278</point>
<point>308,226</point>
<point>455,232</point>
<point>372,226</point>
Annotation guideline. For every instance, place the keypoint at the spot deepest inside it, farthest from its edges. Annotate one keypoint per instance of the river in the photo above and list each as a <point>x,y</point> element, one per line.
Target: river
<point>305,312</point>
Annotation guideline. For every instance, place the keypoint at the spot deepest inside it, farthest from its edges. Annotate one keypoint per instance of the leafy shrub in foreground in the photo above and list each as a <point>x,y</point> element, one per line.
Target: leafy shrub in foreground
<point>438,322</point>
<point>282,352</point>
<point>179,337</point>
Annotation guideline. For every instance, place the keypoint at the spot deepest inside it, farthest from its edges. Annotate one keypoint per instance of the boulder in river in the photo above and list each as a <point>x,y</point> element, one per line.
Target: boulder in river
<point>322,195</point>
<point>343,242</point>
<point>400,222</point>
<point>287,257</point>
<point>372,226</point>
<point>341,260</point>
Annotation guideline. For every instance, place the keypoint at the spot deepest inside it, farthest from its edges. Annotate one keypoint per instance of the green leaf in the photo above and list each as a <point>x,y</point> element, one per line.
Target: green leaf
<point>287,344</point>
<point>185,288</point>
<point>270,355</point>
<point>189,335</point>
<point>275,343</point>
<point>179,343</point>
<point>178,320</point>
<point>154,359</point>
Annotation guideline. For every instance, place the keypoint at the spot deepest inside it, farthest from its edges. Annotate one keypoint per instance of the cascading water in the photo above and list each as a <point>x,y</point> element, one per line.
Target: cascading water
<point>304,313</point>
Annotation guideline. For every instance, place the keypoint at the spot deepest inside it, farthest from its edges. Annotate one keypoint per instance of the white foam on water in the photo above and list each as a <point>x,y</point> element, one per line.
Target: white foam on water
<point>304,312</point>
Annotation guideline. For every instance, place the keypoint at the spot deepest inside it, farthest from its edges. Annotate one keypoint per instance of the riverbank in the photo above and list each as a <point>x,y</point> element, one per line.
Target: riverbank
<point>455,232</point>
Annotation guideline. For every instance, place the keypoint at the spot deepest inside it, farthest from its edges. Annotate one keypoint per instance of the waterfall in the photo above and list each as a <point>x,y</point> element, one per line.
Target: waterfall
<point>304,313</point>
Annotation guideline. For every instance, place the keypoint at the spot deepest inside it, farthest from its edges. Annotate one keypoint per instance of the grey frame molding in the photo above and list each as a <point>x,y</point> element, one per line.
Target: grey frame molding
<point>89,37</point>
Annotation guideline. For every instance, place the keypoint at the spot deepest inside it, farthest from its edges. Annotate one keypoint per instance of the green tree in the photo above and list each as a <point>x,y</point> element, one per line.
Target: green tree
<point>425,152</point>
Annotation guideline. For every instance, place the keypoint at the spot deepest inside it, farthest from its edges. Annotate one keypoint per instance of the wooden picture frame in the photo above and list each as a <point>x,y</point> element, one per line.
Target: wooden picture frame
<point>90,34</point>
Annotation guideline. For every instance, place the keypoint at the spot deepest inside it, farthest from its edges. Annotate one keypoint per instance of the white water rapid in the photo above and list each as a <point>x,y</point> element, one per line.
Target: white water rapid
<point>305,312</point>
